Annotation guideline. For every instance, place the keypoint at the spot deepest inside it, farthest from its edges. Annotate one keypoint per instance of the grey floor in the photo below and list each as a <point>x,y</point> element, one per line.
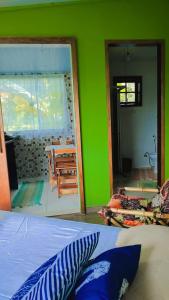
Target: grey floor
<point>51,204</point>
<point>88,218</point>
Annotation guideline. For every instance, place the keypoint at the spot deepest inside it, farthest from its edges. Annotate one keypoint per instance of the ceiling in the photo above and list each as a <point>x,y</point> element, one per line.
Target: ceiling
<point>13,3</point>
<point>133,53</point>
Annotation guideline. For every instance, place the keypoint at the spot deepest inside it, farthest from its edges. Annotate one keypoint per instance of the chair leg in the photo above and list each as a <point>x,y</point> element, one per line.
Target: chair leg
<point>53,182</point>
<point>58,184</point>
<point>52,179</point>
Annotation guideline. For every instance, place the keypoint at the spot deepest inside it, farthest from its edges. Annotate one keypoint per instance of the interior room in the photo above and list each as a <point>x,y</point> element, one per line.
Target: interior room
<point>84,105</point>
<point>133,77</point>
<point>38,115</point>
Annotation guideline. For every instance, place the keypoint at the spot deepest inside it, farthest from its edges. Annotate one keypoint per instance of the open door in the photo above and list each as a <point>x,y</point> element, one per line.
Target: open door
<point>5,202</point>
<point>42,127</point>
<point>136,129</point>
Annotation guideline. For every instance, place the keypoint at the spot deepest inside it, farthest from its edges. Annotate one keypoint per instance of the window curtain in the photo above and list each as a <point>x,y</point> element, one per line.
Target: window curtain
<point>34,105</point>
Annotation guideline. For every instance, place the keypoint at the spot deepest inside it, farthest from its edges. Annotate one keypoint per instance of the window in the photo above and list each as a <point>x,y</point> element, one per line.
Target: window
<point>129,90</point>
<point>34,104</point>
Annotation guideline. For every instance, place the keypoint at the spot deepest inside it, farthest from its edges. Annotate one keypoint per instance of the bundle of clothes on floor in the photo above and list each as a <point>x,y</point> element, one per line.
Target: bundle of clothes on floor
<point>126,211</point>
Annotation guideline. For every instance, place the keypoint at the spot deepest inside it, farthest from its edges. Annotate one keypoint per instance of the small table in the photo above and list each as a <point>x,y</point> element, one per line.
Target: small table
<point>61,149</point>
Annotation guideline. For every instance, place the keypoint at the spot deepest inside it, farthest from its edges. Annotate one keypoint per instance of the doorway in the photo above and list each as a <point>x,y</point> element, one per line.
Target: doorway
<point>40,111</point>
<point>136,113</point>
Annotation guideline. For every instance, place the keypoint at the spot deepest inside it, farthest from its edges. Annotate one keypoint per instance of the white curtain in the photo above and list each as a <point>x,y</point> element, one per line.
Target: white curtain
<point>34,105</point>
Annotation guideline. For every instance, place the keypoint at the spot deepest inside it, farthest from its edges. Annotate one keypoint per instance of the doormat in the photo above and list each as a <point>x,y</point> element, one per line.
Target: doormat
<point>148,183</point>
<point>29,194</point>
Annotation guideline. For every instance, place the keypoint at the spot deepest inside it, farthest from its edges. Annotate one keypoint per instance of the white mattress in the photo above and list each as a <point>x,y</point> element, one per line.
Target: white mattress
<point>26,242</point>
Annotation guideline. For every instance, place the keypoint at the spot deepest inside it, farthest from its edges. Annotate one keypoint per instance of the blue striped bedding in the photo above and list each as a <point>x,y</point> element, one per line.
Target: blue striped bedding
<point>26,242</point>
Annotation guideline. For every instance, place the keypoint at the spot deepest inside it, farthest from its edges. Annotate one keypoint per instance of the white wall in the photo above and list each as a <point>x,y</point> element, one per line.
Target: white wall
<point>138,124</point>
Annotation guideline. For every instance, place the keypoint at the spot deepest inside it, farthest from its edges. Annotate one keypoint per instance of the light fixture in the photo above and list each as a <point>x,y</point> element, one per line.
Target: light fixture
<point>128,55</point>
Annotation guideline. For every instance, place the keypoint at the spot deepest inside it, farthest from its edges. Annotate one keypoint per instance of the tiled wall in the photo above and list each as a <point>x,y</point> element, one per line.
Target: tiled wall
<point>68,83</point>
<point>31,158</point>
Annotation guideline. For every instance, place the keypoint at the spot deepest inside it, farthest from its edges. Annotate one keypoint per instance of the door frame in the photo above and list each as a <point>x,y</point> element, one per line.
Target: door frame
<point>72,42</point>
<point>5,203</point>
<point>160,44</point>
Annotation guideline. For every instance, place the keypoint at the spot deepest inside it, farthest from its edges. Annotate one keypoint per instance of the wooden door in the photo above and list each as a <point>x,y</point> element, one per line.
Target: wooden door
<point>115,135</point>
<point>5,201</point>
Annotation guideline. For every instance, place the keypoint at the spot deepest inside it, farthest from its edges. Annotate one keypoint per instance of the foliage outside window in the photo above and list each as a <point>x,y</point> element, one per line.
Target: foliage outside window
<point>129,90</point>
<point>34,103</point>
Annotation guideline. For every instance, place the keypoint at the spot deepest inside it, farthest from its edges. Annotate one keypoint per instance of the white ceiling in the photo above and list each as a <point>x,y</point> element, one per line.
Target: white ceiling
<point>133,53</point>
<point>12,3</point>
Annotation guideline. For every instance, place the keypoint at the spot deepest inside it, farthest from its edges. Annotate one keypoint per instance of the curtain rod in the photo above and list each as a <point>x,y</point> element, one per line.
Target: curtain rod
<point>33,73</point>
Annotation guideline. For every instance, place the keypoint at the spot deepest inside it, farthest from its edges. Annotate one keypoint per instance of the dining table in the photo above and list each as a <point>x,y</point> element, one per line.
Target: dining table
<point>61,149</point>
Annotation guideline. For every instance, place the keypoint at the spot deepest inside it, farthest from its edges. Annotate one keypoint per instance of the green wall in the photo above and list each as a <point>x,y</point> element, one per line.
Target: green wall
<point>91,24</point>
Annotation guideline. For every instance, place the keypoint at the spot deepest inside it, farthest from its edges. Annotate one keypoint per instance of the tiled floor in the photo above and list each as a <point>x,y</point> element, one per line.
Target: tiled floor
<point>88,218</point>
<point>51,205</point>
<point>145,178</point>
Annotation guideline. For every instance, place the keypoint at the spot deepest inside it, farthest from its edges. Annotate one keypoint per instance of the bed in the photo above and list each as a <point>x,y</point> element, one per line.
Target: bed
<point>26,242</point>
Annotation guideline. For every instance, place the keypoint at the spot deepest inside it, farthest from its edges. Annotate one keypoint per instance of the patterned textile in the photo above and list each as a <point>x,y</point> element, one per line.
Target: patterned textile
<point>133,204</point>
<point>108,275</point>
<point>161,199</point>
<point>123,201</point>
<point>56,278</point>
<point>158,204</point>
<point>125,221</point>
<point>164,193</point>
<point>128,202</point>
<point>156,201</point>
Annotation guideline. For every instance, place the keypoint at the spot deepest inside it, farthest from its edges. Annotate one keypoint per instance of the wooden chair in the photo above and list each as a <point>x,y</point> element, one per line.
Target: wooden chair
<point>56,142</point>
<point>52,176</point>
<point>69,141</point>
<point>64,156</point>
<point>67,180</point>
<point>56,162</point>
<point>65,170</point>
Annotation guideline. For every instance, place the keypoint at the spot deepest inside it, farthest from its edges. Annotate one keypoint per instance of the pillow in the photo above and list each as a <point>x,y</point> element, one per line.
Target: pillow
<point>108,275</point>
<point>56,277</point>
<point>151,282</point>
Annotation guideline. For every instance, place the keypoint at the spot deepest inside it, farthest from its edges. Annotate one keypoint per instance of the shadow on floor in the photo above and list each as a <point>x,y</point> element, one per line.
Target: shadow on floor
<point>88,218</point>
